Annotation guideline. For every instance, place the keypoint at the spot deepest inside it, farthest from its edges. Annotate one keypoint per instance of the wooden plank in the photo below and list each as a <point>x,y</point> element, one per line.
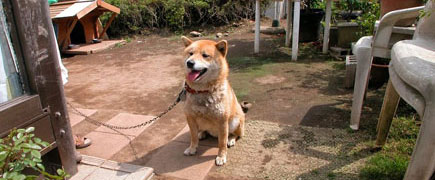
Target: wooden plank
<point>110,7</point>
<point>18,111</point>
<point>86,10</point>
<point>93,48</point>
<point>107,25</point>
<point>389,107</point>
<point>68,33</point>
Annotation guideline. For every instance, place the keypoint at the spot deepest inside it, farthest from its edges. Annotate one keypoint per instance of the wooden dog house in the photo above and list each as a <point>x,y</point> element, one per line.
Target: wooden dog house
<point>78,21</point>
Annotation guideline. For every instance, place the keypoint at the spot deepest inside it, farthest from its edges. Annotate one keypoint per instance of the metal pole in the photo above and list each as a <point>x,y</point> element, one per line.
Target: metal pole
<point>327,27</point>
<point>296,30</point>
<point>257,27</point>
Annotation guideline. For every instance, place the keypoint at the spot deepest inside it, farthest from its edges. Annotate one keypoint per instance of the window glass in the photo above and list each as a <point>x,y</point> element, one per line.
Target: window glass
<point>10,81</point>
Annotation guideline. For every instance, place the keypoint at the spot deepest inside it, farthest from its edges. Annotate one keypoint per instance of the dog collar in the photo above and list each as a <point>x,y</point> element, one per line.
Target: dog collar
<point>193,91</point>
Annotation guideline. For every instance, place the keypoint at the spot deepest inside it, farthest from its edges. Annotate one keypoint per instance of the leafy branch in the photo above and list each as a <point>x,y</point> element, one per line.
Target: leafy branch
<point>20,150</point>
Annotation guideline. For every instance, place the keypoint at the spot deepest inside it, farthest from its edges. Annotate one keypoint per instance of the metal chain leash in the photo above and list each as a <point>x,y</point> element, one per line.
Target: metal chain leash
<point>87,118</point>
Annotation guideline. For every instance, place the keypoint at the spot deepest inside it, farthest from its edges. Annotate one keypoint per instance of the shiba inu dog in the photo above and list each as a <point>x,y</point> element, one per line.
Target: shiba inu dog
<point>211,105</point>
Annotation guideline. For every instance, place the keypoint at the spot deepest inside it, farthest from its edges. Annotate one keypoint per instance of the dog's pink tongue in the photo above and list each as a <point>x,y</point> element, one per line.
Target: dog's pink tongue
<point>193,75</point>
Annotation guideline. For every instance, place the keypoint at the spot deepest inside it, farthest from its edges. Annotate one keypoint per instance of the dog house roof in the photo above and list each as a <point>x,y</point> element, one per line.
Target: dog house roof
<point>79,8</point>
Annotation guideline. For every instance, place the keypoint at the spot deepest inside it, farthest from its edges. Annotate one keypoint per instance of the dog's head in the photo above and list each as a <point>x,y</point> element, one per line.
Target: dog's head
<point>205,61</point>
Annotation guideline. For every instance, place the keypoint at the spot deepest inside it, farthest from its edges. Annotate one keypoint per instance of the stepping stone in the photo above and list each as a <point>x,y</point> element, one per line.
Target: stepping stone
<point>126,119</point>
<point>91,168</point>
<point>170,160</point>
<point>107,142</point>
<point>75,117</point>
<point>184,137</point>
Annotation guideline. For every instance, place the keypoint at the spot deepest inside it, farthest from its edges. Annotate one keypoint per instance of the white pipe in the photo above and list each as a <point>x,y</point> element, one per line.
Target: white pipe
<point>257,27</point>
<point>288,31</point>
<point>296,30</point>
<point>327,27</point>
<point>275,14</point>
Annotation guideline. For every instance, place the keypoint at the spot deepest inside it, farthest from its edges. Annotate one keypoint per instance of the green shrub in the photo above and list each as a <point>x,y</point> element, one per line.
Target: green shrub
<point>20,150</point>
<point>176,14</point>
<point>371,13</point>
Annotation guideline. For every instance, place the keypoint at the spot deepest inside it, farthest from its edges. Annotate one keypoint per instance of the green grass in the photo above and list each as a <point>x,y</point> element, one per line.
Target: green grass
<point>392,161</point>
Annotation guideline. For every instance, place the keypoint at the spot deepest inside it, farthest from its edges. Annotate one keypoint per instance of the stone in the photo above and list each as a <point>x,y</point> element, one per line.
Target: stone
<point>219,35</point>
<point>195,34</point>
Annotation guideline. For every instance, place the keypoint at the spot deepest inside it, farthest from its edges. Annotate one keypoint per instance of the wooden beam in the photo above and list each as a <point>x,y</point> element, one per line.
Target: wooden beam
<point>327,27</point>
<point>107,25</point>
<point>68,33</point>
<point>389,107</point>
<point>109,7</point>
<point>257,27</point>
<point>87,10</point>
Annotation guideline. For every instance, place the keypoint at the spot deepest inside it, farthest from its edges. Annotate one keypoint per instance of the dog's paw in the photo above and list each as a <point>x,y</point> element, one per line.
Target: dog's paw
<point>202,135</point>
<point>221,160</point>
<point>231,142</point>
<point>190,151</point>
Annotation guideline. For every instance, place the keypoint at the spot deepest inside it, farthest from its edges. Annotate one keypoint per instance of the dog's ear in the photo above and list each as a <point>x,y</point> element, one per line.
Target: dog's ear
<point>222,47</point>
<point>186,41</point>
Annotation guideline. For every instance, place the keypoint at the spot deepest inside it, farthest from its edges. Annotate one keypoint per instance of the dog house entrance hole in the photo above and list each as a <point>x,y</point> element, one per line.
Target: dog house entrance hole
<point>78,34</point>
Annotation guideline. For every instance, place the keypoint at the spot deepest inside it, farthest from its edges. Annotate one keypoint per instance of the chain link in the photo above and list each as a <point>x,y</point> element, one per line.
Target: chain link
<point>98,123</point>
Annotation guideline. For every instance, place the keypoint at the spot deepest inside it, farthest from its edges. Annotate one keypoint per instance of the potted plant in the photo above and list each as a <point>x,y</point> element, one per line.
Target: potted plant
<point>311,16</point>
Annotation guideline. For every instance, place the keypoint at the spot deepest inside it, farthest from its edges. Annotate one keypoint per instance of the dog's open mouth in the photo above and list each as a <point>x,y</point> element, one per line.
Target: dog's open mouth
<point>195,74</point>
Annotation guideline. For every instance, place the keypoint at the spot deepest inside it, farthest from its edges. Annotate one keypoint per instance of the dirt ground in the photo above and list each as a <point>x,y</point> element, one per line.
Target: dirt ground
<point>296,129</point>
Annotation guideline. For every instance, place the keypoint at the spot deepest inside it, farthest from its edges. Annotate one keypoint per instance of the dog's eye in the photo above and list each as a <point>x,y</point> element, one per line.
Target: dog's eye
<point>191,53</point>
<point>205,55</point>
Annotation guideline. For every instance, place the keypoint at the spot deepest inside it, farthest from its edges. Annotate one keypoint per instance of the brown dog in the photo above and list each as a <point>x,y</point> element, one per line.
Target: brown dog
<point>211,105</point>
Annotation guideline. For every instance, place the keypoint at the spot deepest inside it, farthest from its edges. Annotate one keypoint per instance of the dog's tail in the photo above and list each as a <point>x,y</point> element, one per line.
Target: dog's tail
<point>245,106</point>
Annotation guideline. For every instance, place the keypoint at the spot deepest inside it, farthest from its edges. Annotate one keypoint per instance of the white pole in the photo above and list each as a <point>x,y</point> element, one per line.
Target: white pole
<point>327,27</point>
<point>281,9</point>
<point>257,27</point>
<point>296,30</point>
<point>275,16</point>
<point>288,31</point>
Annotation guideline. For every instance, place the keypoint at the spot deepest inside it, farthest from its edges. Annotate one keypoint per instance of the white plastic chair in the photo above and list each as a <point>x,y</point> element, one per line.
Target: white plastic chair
<point>368,47</point>
<point>412,77</point>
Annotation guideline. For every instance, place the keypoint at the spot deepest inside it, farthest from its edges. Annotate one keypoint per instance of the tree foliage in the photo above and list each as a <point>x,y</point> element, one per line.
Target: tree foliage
<point>177,14</point>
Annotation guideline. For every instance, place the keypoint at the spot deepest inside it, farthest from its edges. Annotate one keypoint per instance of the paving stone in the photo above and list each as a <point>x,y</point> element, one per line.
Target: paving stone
<point>143,174</point>
<point>130,168</point>
<point>91,160</point>
<point>75,118</point>
<point>107,174</point>
<point>126,119</point>
<point>184,137</point>
<point>105,145</point>
<point>84,171</point>
<point>170,161</point>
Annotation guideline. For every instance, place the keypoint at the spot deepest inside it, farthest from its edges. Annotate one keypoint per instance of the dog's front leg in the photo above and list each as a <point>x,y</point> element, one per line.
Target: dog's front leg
<point>221,159</point>
<point>191,150</point>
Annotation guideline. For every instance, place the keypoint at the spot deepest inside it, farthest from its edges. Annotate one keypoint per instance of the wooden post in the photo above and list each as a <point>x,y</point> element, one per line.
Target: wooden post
<point>288,31</point>
<point>42,65</point>
<point>389,106</point>
<point>295,42</point>
<point>107,25</point>
<point>327,27</point>
<point>68,33</point>
<point>257,27</point>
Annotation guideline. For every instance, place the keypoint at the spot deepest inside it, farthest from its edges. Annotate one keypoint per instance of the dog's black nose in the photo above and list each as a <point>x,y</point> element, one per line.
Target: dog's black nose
<point>190,64</point>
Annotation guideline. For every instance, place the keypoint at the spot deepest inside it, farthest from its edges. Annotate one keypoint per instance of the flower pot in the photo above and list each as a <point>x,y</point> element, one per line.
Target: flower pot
<point>391,5</point>
<point>347,33</point>
<point>310,25</point>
